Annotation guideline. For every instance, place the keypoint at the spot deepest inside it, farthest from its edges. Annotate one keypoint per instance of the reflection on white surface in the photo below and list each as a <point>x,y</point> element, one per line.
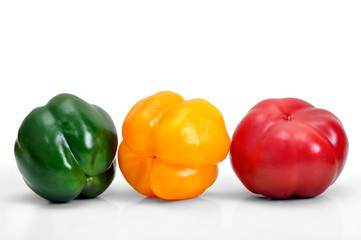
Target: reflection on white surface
<point>171,220</point>
<point>39,219</point>
<point>226,211</point>
<point>30,217</point>
<point>257,217</point>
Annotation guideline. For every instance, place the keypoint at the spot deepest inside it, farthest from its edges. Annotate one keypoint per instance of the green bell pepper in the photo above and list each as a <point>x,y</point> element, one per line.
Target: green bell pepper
<point>66,149</point>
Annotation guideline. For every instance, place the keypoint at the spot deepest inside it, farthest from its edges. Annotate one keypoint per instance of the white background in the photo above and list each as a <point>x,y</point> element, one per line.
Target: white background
<point>232,53</point>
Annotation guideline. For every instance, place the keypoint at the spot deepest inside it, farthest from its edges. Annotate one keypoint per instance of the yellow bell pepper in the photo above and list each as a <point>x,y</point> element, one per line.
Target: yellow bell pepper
<point>171,147</point>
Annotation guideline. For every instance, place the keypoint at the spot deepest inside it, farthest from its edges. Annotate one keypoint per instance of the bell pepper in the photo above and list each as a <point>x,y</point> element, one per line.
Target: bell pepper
<point>288,148</point>
<point>66,149</point>
<point>171,147</point>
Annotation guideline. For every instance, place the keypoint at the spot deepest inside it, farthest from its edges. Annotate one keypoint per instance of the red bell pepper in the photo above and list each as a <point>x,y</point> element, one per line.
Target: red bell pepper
<point>287,147</point>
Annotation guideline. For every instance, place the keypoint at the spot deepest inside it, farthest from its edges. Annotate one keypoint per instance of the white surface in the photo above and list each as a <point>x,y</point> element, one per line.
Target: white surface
<point>232,53</point>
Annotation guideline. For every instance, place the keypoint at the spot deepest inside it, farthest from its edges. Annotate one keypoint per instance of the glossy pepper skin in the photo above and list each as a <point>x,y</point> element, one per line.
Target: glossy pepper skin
<point>171,147</point>
<point>287,147</point>
<point>66,149</point>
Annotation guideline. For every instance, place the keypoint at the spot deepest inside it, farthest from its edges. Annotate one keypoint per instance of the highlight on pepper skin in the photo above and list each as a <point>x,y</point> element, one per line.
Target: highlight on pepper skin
<point>171,147</point>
